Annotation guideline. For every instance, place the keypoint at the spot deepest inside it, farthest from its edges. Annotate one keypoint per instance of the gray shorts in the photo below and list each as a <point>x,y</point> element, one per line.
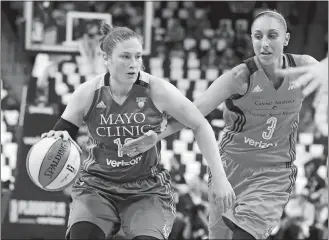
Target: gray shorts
<point>143,207</point>
<point>262,193</point>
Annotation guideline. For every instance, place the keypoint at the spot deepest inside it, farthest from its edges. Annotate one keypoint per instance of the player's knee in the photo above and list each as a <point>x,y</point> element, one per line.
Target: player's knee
<point>240,234</point>
<point>86,230</point>
<point>144,237</point>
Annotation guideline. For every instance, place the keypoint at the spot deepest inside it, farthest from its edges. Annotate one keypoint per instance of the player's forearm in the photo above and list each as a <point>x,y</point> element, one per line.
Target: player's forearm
<point>173,126</point>
<point>206,140</point>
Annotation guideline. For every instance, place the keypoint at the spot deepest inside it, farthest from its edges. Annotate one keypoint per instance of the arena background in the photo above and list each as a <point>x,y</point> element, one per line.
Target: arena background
<point>48,49</point>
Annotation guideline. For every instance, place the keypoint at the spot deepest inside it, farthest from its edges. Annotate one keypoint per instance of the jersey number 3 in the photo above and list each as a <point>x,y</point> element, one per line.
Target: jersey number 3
<point>270,129</point>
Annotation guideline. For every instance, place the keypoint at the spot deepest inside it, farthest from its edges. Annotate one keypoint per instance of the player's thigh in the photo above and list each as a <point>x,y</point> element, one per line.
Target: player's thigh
<point>88,205</point>
<point>261,202</point>
<point>148,216</point>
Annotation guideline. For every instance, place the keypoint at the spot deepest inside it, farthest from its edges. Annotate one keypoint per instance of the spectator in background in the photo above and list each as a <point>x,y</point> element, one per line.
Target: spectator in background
<point>160,50</point>
<point>175,35</point>
<point>301,211</point>
<point>210,60</point>
<point>55,30</point>
<point>137,22</point>
<point>224,35</point>
<point>315,182</point>
<point>101,7</point>
<point>306,122</point>
<point>228,59</point>
<point>123,14</point>
<point>242,39</point>
<point>191,221</point>
<point>89,47</point>
<point>241,7</point>
<point>321,220</point>
<point>204,24</point>
<point>192,21</point>
<point>286,9</point>
<point>200,22</point>
<point>291,229</point>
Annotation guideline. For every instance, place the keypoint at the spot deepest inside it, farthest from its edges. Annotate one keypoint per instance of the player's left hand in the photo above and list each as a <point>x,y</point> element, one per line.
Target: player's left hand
<point>222,193</point>
<point>140,145</point>
<point>311,76</point>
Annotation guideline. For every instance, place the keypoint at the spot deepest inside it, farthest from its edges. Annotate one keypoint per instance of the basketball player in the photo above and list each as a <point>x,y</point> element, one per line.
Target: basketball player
<point>115,190</point>
<point>258,147</point>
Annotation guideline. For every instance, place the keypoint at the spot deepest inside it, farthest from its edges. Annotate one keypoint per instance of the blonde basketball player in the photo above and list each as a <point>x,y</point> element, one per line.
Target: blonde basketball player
<point>258,147</point>
<point>116,190</point>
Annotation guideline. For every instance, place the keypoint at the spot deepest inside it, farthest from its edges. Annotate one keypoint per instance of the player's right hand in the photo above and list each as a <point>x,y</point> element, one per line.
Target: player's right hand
<point>57,134</point>
<point>60,134</point>
<point>222,193</point>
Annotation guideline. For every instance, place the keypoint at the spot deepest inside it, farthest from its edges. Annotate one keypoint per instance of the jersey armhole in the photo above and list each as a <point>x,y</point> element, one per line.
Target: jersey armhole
<point>94,101</point>
<point>163,114</point>
<point>150,97</point>
<point>251,71</point>
<point>291,60</point>
<point>85,118</point>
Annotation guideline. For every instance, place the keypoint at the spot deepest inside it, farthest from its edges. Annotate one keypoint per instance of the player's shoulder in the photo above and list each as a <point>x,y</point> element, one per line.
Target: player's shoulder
<point>241,69</point>
<point>241,72</point>
<point>150,77</point>
<point>145,77</point>
<point>303,59</point>
<point>154,81</point>
<point>86,90</point>
<point>91,85</point>
<point>160,88</point>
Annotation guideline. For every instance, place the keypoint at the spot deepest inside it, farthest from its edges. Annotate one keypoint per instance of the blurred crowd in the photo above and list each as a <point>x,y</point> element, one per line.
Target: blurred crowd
<point>217,36</point>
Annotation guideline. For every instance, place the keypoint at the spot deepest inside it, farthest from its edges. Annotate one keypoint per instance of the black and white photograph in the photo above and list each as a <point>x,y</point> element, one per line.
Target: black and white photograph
<point>164,120</point>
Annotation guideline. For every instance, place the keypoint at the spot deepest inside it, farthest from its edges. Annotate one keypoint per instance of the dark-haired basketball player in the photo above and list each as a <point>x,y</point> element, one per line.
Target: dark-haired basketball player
<point>116,190</point>
<point>258,147</point>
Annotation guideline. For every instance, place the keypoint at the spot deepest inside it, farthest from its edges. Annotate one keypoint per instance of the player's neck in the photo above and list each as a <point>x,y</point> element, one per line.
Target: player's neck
<point>120,88</point>
<point>270,68</point>
<point>270,71</point>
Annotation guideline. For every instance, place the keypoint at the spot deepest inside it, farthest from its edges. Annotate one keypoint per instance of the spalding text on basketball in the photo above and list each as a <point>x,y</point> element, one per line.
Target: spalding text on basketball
<point>51,169</point>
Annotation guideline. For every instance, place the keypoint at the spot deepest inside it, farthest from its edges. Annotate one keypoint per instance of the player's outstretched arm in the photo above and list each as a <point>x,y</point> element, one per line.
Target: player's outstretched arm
<point>169,99</point>
<point>223,87</point>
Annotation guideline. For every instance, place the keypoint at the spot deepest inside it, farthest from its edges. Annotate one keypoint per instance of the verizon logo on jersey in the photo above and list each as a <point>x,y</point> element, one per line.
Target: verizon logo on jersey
<point>115,163</point>
<point>259,144</point>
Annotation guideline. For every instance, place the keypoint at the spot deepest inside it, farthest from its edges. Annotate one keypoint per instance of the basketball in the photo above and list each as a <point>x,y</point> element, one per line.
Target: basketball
<point>53,164</point>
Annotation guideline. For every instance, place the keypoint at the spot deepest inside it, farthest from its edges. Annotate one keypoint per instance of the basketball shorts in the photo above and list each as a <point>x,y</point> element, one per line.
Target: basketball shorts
<point>142,207</point>
<point>261,195</point>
